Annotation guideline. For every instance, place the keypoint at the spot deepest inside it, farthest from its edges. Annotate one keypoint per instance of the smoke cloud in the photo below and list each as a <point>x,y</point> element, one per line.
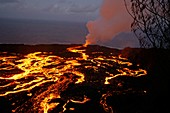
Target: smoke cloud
<point>113,19</point>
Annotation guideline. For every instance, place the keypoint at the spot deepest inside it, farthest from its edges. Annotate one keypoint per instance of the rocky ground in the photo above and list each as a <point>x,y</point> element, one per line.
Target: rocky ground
<point>128,98</point>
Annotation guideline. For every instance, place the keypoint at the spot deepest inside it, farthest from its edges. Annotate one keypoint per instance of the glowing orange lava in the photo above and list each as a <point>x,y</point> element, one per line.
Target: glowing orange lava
<point>25,73</point>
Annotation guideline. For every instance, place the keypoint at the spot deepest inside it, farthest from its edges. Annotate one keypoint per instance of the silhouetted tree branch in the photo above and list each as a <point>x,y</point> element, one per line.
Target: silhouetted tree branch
<point>151,22</point>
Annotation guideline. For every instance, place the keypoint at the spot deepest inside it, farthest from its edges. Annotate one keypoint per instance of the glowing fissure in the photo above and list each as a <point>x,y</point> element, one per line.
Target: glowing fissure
<point>81,102</point>
<point>24,74</point>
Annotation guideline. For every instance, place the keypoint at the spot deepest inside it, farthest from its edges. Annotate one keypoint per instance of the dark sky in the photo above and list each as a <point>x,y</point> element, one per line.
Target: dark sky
<point>70,10</point>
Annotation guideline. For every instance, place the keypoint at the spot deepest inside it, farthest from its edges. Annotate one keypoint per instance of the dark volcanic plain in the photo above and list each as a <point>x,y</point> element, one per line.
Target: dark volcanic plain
<point>124,94</point>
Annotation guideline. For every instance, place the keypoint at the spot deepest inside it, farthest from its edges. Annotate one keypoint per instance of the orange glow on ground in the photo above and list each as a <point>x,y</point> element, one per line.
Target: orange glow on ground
<point>39,69</point>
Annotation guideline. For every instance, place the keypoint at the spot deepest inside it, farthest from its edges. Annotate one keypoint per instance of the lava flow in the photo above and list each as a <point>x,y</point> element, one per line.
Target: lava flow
<point>39,81</point>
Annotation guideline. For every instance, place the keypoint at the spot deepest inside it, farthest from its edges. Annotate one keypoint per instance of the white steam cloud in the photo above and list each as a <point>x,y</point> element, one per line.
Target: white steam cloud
<point>113,19</point>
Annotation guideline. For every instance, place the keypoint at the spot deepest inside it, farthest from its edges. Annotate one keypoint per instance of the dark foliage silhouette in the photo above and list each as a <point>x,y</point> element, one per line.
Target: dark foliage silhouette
<point>151,22</point>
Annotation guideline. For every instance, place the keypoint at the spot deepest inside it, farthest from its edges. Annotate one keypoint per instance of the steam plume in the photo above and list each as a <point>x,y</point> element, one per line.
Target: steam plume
<point>113,19</point>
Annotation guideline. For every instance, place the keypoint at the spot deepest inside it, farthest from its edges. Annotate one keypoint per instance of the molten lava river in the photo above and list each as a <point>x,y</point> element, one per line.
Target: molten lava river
<point>42,82</point>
